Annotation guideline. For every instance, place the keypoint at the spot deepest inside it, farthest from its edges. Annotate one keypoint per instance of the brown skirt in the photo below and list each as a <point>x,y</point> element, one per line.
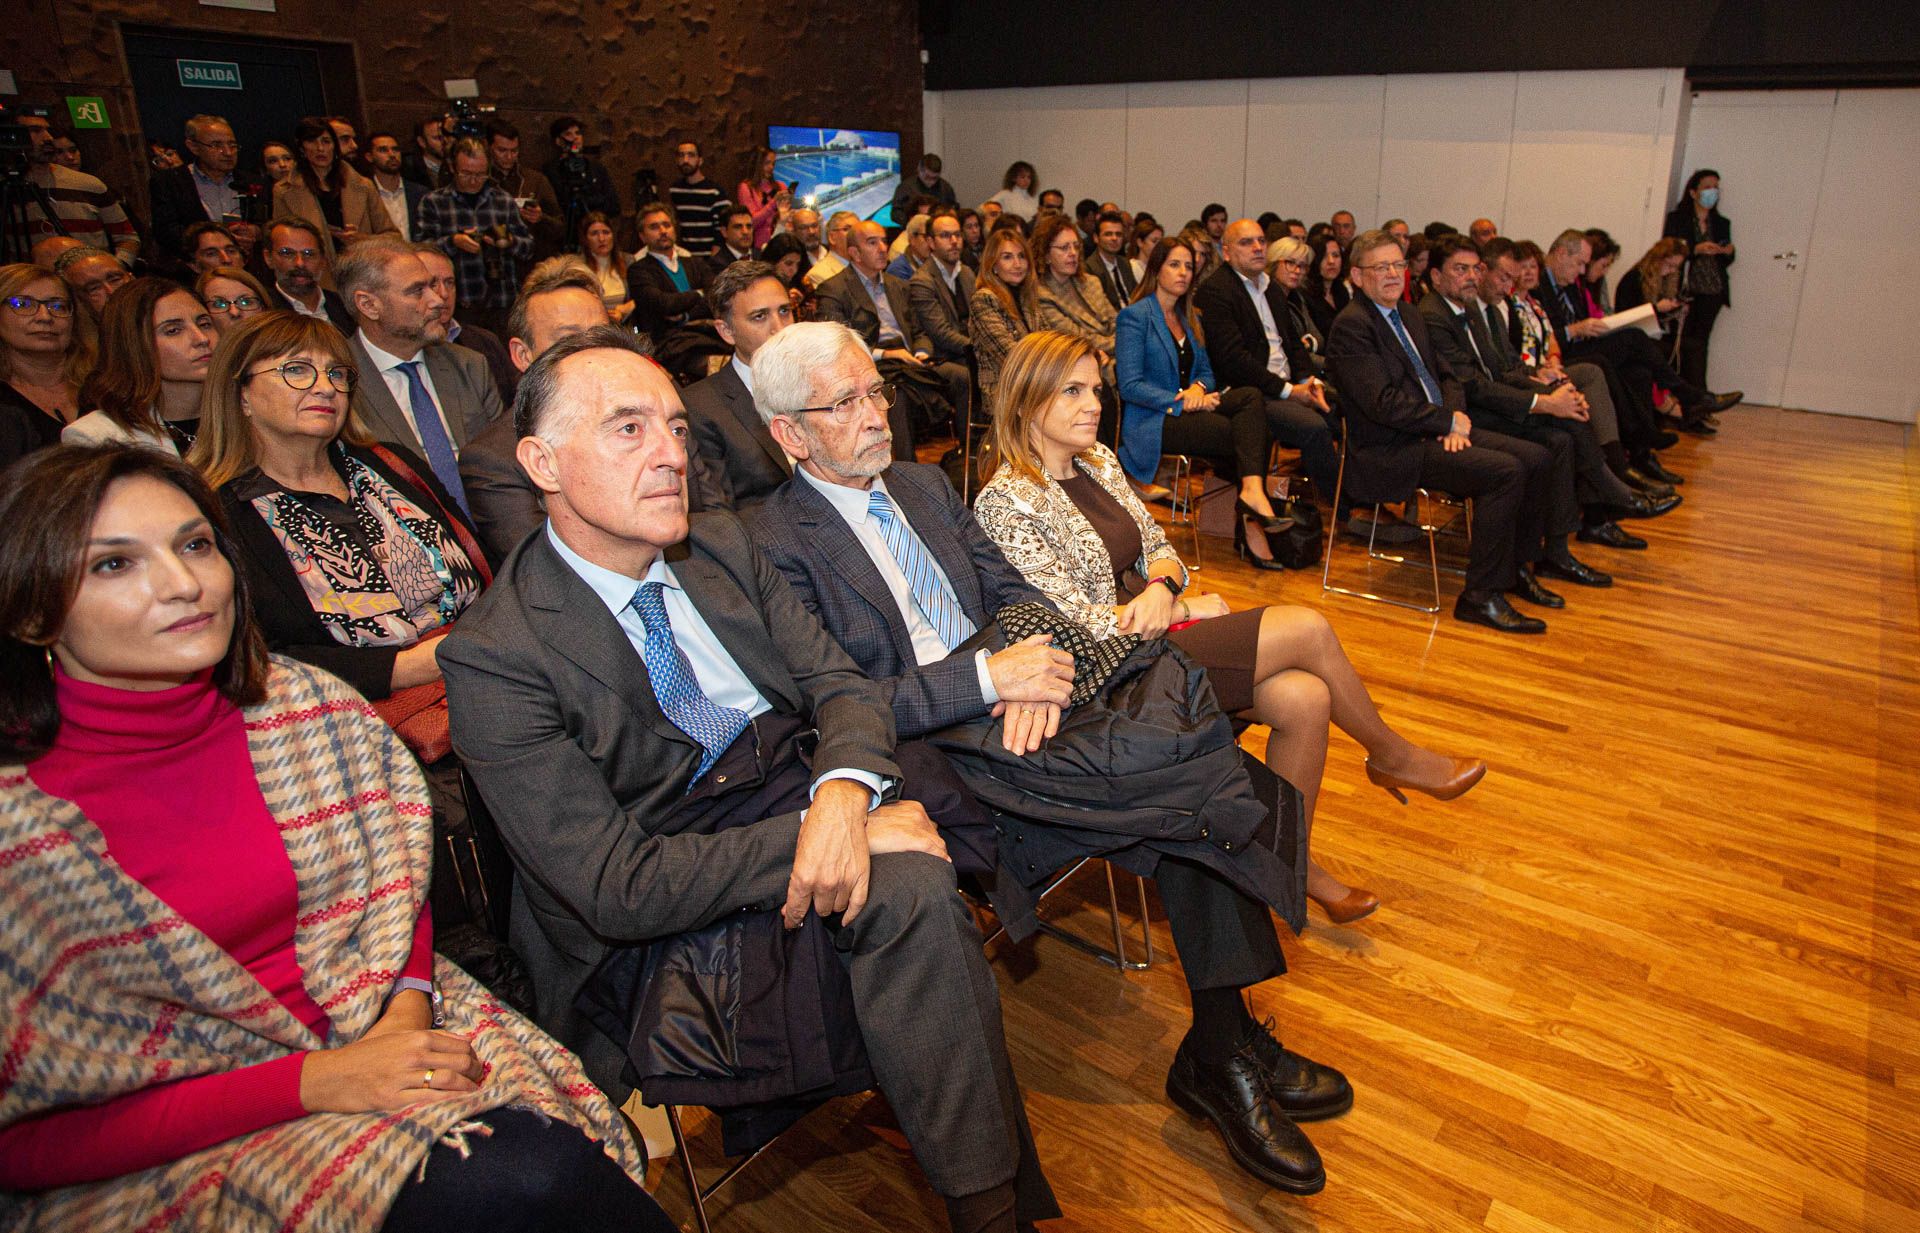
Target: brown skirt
<point>1226,647</point>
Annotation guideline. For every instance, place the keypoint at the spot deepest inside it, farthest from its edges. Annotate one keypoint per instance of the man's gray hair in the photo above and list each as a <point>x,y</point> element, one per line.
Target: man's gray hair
<point>784,365</point>
<point>833,220</point>
<point>537,409</point>
<point>364,266</point>
<point>553,274</point>
<point>1367,241</point>
<point>1567,241</point>
<point>197,123</point>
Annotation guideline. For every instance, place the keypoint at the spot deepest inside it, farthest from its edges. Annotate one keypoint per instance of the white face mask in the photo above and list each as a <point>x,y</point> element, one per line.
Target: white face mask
<point>1710,197</point>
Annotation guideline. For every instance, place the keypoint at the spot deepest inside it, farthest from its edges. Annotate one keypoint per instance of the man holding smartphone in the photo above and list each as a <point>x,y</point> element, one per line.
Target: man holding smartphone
<point>203,190</point>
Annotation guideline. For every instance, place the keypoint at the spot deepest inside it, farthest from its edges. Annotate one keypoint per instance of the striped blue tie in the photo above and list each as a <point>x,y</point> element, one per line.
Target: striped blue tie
<point>1427,382</point>
<point>929,593</point>
<point>676,688</point>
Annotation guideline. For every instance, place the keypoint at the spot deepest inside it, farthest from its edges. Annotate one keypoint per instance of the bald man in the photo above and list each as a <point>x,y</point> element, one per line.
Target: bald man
<point>1481,230</point>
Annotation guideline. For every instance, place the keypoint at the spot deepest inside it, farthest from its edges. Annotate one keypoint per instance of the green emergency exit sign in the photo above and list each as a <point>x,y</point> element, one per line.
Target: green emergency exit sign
<point>209,74</point>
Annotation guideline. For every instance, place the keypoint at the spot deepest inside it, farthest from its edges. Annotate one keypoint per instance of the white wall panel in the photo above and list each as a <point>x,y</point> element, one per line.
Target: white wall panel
<point>1313,145</point>
<point>1186,146</point>
<point>1447,143</point>
<point>1853,338</point>
<point>980,135</point>
<point>1076,136</point>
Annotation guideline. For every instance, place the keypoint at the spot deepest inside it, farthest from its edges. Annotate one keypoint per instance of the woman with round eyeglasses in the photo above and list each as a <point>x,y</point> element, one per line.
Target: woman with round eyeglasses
<point>231,296</point>
<point>156,342</point>
<point>357,559</point>
<point>46,351</point>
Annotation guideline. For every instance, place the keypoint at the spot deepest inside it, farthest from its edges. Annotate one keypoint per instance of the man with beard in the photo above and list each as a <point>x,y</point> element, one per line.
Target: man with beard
<point>297,262</point>
<point>414,389</point>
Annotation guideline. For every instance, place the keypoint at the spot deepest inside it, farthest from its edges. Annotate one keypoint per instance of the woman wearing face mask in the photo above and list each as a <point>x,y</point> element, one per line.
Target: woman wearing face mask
<point>1696,218</point>
<point>257,1033</point>
<point>156,341</point>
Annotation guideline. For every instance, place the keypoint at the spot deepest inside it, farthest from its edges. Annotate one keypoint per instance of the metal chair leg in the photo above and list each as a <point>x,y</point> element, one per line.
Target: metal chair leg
<point>1117,957</point>
<point>694,1195</point>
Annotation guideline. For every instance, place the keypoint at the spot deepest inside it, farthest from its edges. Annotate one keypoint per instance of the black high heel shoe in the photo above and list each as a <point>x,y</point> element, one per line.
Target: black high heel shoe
<point>1271,524</point>
<point>1246,553</point>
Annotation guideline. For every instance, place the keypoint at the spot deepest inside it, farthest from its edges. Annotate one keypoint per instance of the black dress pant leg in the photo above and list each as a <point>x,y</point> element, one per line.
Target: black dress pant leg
<point>1203,434</point>
<point>1694,336</point>
<point>1225,938</point>
<point>1304,429</point>
<point>1497,482</point>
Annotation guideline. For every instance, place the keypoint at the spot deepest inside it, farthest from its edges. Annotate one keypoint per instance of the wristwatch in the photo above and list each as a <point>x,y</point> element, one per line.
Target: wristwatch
<point>432,989</point>
<point>1174,587</point>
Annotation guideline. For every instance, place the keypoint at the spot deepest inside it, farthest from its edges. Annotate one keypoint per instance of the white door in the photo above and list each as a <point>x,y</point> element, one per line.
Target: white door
<point>1853,343</point>
<point>1770,148</point>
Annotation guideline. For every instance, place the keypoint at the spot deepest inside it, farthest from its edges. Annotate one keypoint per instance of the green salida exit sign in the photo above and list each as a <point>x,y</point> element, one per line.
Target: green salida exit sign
<point>209,74</point>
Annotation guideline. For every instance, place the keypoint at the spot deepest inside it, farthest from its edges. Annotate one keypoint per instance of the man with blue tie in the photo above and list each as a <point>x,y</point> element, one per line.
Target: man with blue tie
<point>673,750</point>
<point>416,390</point>
<point>1407,428</point>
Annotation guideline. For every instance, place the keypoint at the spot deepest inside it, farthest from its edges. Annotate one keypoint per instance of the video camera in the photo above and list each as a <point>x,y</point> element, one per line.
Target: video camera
<point>467,118</point>
<point>16,143</point>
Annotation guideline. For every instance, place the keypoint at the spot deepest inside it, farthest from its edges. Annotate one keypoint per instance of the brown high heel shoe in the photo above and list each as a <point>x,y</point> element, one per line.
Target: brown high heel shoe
<point>1350,907</point>
<point>1463,774</point>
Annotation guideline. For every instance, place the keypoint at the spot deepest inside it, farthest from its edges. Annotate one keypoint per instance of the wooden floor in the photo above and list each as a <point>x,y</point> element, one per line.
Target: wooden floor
<point>1661,971</point>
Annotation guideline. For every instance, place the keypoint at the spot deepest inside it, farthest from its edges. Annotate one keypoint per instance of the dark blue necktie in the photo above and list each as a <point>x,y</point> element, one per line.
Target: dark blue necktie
<point>433,436</point>
<point>676,688</point>
<point>1427,382</point>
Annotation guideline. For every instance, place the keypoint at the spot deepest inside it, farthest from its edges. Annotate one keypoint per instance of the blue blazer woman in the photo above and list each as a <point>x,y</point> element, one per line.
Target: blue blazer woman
<point>1148,364</point>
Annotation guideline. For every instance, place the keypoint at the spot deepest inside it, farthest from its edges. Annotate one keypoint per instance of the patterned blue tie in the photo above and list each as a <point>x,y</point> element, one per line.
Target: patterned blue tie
<point>1427,382</point>
<point>433,436</point>
<point>929,595</point>
<point>676,688</point>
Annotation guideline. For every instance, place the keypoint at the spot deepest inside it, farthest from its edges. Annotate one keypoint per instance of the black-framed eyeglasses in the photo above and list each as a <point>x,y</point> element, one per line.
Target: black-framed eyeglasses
<point>842,412</point>
<point>303,375</point>
<point>245,303</point>
<point>290,254</point>
<point>1385,267</point>
<point>28,305</point>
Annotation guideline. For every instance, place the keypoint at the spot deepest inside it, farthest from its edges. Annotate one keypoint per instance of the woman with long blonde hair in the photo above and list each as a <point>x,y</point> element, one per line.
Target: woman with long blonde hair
<point>1059,506</point>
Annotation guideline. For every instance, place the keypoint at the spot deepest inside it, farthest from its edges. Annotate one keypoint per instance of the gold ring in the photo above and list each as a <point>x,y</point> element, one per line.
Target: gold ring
<point>429,1079</point>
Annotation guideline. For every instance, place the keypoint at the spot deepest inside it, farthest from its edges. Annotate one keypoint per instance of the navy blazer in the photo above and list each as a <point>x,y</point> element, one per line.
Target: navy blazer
<point>801,533</point>
<point>1388,417</point>
<point>1147,361</point>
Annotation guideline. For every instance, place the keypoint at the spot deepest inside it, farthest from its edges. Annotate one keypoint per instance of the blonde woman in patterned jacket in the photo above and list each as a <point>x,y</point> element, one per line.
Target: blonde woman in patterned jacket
<point>219,1000</point>
<point>1059,506</point>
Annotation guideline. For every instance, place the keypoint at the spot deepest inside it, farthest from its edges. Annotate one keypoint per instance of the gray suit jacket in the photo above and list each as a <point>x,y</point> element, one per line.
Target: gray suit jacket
<point>938,313</point>
<point>460,375</point>
<point>554,717</point>
<point>844,298</point>
<point>732,439</point>
<point>835,578</point>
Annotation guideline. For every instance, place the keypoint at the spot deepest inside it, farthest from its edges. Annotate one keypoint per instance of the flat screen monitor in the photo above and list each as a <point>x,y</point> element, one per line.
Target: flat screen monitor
<point>838,168</point>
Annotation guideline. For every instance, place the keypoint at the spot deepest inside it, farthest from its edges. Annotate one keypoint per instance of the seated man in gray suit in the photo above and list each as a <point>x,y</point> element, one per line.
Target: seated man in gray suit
<point>938,293</point>
<point>855,532</point>
<point>875,305</point>
<point>414,389</point>
<point>750,305</point>
<point>668,742</point>
<point>560,298</point>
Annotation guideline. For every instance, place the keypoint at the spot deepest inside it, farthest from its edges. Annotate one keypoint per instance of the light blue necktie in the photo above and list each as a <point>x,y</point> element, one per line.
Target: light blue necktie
<point>929,594</point>
<point>676,688</point>
<point>433,436</point>
<point>1419,365</point>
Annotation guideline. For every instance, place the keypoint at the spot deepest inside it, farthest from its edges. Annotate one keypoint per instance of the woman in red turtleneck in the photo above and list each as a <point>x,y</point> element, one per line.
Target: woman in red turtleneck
<point>218,995</point>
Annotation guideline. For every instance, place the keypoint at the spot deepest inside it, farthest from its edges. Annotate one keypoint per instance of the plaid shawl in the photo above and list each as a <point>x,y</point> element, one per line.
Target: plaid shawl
<point>104,990</point>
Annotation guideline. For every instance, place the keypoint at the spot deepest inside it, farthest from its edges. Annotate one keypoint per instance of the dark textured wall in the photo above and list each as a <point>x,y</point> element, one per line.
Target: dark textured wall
<point>642,74</point>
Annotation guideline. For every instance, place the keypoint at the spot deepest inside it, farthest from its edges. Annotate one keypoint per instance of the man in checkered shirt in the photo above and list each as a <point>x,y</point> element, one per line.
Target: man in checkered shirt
<point>464,221</point>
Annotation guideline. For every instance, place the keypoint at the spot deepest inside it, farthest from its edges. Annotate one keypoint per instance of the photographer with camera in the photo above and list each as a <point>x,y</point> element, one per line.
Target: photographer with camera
<point>476,224</point>
<point>581,183</point>
<point>44,198</point>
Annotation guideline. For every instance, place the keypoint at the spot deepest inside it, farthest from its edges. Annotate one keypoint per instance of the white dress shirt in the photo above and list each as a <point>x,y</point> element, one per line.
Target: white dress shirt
<point>389,366</point>
<point>395,203</point>
<point>719,674</point>
<point>851,505</point>
<point>1276,352</point>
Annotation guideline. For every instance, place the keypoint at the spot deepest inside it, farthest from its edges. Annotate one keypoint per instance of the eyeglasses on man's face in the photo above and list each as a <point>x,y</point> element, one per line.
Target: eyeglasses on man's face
<point>30,305</point>
<point>1385,267</point>
<point>303,375</point>
<point>842,412</point>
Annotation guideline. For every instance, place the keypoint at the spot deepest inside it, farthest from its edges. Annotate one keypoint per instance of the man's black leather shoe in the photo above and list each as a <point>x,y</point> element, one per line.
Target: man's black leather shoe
<point>1260,1137</point>
<point>1646,505</point>
<point>1699,426</point>
<point>1567,569</point>
<point>1664,439</point>
<point>1305,1089</point>
<point>1491,609</point>
<point>1637,479</point>
<point>1528,588</point>
<point>1609,535</point>
<point>1654,467</point>
<point>1723,402</point>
